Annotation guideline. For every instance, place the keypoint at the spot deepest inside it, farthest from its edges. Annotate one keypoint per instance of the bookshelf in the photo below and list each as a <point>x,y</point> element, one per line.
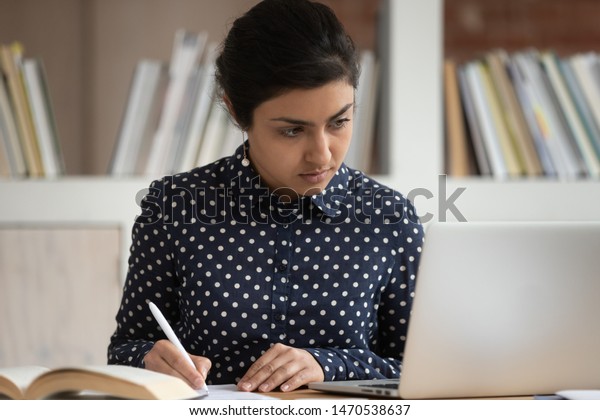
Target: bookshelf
<point>415,134</point>
<point>411,42</point>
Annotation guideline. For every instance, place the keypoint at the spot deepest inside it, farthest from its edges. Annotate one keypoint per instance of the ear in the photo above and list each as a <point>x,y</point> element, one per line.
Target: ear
<point>227,102</point>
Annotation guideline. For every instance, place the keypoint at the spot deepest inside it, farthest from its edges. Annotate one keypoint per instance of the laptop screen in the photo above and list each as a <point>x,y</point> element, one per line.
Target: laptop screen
<point>505,308</point>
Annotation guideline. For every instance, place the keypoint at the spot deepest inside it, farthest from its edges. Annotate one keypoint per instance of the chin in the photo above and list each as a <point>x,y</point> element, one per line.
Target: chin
<point>314,190</point>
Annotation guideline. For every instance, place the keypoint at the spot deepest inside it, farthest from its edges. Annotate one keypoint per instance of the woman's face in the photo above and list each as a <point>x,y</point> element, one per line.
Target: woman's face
<point>298,140</point>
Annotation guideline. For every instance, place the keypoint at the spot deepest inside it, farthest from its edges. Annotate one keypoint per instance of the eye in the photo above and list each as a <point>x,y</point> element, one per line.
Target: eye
<point>340,123</point>
<point>291,131</point>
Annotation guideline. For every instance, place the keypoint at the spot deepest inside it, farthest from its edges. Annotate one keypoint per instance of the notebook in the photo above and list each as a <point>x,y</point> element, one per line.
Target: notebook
<point>500,309</point>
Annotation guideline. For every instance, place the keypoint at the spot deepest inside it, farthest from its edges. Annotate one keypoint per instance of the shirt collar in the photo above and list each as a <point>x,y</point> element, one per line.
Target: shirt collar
<point>245,181</point>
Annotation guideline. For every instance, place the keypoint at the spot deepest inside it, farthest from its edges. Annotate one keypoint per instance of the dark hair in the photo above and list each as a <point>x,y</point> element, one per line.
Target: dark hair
<point>279,45</point>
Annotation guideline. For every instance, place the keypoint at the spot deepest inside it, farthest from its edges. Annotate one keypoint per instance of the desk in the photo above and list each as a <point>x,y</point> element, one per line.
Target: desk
<point>310,394</point>
<point>230,393</point>
<point>299,394</point>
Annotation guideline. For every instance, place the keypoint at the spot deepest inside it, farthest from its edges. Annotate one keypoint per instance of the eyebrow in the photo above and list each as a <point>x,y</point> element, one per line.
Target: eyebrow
<point>294,121</point>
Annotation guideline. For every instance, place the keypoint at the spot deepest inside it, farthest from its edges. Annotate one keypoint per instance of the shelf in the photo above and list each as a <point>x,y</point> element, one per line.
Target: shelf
<point>489,200</point>
<point>103,201</point>
<point>73,202</point>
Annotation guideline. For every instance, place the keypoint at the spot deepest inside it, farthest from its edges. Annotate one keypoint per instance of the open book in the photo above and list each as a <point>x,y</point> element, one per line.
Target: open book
<point>36,382</point>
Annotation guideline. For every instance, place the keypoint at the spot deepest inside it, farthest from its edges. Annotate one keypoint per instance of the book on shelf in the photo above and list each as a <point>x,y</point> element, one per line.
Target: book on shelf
<point>27,123</point>
<point>585,67</point>
<point>555,134</point>
<point>529,113</point>
<point>573,120</point>
<point>168,112</point>
<point>201,110</point>
<point>42,112</point>
<point>188,48</point>
<point>512,160</point>
<point>583,110</point>
<point>4,162</point>
<point>186,111</point>
<point>472,126</point>
<point>142,110</point>
<point>514,119</point>
<point>458,152</point>
<point>531,118</point>
<point>568,137</point>
<point>9,135</point>
<point>114,381</point>
<point>474,73</point>
<point>11,62</point>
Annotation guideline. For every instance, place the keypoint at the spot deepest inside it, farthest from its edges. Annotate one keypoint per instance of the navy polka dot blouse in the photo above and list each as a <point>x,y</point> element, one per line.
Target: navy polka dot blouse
<point>235,271</point>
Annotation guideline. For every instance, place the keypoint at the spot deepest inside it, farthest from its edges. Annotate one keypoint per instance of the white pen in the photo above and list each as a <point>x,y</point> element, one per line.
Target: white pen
<point>162,321</point>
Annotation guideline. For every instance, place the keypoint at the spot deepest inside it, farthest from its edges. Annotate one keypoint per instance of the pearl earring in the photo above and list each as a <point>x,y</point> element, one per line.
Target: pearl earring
<point>245,160</point>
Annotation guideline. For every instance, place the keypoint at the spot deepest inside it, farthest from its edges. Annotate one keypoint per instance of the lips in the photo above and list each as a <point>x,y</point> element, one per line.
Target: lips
<point>315,177</point>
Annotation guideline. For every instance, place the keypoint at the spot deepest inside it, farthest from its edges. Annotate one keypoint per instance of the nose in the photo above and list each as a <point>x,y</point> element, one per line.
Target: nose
<point>318,149</point>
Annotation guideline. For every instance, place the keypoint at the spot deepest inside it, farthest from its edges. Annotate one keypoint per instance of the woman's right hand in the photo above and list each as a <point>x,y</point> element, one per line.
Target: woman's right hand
<point>164,357</point>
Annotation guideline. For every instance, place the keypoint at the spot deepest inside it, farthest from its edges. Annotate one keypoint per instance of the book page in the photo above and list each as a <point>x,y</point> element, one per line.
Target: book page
<point>22,376</point>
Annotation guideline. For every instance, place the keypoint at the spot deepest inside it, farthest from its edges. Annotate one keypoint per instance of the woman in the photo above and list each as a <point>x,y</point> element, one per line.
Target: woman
<point>277,266</point>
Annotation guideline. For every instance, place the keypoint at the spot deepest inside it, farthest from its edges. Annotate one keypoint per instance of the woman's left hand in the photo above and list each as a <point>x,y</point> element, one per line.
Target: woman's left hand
<point>281,366</point>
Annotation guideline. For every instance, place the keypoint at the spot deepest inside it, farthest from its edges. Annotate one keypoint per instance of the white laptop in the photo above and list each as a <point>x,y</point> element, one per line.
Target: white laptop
<point>500,309</point>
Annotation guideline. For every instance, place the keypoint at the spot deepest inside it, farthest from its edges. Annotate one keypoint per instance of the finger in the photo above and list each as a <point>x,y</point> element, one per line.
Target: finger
<point>203,366</point>
<point>265,366</point>
<point>263,363</point>
<point>156,360</point>
<point>194,375</point>
<point>280,375</point>
<point>303,377</point>
<point>302,369</point>
<point>166,358</point>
